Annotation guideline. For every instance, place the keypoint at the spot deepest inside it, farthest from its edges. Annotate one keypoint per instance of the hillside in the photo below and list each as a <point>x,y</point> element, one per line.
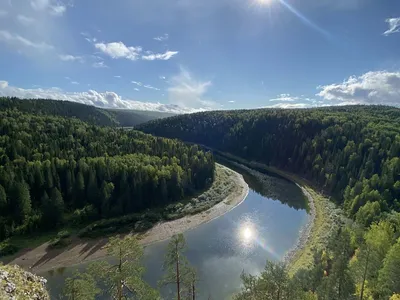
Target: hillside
<point>86,113</point>
<point>56,170</point>
<point>351,152</point>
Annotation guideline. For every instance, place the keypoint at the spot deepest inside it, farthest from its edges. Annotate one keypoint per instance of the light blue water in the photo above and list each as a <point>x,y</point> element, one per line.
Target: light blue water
<point>241,240</point>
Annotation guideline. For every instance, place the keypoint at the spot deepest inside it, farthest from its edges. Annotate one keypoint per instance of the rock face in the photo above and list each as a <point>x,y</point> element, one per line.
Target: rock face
<point>17,284</point>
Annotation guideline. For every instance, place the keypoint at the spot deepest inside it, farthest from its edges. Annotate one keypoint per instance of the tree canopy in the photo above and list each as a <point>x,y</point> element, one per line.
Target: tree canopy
<point>351,152</point>
<point>51,167</point>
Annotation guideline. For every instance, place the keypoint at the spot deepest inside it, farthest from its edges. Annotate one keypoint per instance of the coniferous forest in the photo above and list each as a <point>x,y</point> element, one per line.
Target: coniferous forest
<point>350,152</point>
<point>54,168</point>
<point>59,165</point>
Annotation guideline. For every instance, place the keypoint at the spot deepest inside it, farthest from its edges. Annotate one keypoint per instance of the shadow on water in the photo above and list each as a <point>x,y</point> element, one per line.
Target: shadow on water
<point>270,186</point>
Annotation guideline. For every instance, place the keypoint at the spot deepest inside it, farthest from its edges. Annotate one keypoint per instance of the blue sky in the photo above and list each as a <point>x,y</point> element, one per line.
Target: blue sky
<point>189,55</point>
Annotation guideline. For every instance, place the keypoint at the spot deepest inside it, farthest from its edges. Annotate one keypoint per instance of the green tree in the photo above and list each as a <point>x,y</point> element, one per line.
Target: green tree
<point>389,275</point>
<point>273,283</point>
<point>3,201</point>
<point>20,198</point>
<point>369,258</point>
<point>177,269</point>
<point>339,284</point>
<point>124,278</point>
<point>81,286</point>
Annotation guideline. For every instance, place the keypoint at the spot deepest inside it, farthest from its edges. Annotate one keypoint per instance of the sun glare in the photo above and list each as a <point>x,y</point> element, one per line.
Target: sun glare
<point>263,2</point>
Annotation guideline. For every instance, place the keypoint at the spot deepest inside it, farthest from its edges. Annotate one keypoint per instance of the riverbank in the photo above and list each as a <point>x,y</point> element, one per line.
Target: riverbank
<point>41,259</point>
<point>325,218</point>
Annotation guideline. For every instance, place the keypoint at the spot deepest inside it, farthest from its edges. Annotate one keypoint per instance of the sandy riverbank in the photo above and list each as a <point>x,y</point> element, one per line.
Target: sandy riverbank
<point>40,259</point>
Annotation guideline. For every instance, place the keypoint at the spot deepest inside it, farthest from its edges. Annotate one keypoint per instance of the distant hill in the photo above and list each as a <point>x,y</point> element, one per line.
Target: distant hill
<point>127,117</point>
<point>86,113</point>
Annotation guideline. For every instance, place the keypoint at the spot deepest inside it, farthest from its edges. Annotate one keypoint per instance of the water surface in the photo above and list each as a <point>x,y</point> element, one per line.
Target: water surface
<point>259,229</point>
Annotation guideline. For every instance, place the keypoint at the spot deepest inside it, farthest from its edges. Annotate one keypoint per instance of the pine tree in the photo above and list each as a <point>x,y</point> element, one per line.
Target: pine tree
<point>3,201</point>
<point>177,268</point>
<point>21,200</point>
<point>81,286</point>
<point>124,279</point>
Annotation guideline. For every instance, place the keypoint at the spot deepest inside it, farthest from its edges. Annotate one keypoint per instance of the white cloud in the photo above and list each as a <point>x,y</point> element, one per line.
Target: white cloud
<point>231,101</point>
<point>186,91</point>
<point>3,84</point>
<point>136,89</point>
<point>162,38</point>
<point>138,83</point>
<point>57,10</point>
<point>17,40</point>
<point>24,20</point>
<point>163,77</point>
<point>119,50</point>
<point>290,105</point>
<point>160,56</point>
<point>74,82</point>
<point>52,7</point>
<point>91,97</point>
<point>380,87</point>
<point>394,26</point>
<point>117,76</point>
<point>68,57</point>
<point>3,13</point>
<point>99,64</point>
<point>285,97</point>
<point>147,86</point>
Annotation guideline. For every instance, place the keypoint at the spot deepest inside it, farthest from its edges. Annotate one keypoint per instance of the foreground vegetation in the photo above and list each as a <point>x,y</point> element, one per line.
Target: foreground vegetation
<point>372,272</point>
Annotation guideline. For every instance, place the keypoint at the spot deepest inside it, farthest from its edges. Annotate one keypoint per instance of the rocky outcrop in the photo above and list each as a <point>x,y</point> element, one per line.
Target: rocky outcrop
<point>17,284</point>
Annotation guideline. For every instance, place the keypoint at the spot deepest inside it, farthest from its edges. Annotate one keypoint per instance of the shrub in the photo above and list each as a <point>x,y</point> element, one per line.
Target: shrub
<point>8,249</point>
<point>59,243</point>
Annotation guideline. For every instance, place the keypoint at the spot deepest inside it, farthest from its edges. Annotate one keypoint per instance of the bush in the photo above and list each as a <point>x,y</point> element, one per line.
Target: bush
<point>109,226</point>
<point>59,243</point>
<point>143,226</point>
<point>8,249</point>
<point>63,234</point>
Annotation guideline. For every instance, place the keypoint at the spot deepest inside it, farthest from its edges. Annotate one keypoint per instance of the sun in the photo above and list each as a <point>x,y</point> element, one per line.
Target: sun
<point>263,2</point>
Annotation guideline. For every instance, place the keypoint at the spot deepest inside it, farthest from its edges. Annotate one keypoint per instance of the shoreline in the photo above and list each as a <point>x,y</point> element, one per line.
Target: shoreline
<point>305,231</point>
<point>40,259</point>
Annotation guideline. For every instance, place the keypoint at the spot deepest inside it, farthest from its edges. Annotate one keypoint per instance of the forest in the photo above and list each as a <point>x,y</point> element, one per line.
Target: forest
<point>90,114</point>
<point>351,152</point>
<point>55,170</point>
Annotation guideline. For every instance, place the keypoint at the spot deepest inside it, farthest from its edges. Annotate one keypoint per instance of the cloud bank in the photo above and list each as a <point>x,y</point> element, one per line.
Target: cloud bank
<point>380,87</point>
<point>91,97</point>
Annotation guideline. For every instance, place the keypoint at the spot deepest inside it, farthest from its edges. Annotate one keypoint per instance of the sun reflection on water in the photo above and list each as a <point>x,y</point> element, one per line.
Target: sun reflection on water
<point>247,233</point>
<point>251,236</point>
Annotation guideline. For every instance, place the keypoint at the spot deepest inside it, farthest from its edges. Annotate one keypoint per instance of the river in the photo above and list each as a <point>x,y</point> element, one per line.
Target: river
<point>264,227</point>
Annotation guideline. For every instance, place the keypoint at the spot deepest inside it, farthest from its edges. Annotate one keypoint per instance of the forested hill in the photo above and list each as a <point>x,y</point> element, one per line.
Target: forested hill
<point>86,113</point>
<point>352,152</point>
<point>54,169</point>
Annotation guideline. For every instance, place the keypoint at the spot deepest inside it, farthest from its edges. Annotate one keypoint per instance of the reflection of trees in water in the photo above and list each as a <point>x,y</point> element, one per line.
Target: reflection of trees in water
<point>273,187</point>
